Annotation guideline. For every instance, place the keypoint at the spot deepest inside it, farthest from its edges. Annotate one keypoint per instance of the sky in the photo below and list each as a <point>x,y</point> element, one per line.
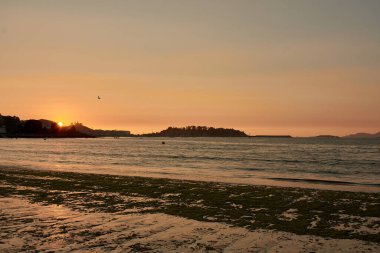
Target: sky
<point>266,67</point>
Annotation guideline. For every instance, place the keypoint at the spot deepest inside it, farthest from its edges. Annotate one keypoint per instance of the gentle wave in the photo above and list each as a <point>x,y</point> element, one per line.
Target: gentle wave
<point>314,161</point>
<point>321,181</point>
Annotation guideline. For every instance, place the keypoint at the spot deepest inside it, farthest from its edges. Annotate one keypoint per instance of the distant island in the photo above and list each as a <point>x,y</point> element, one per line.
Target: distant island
<point>363,135</point>
<point>327,136</point>
<point>197,131</point>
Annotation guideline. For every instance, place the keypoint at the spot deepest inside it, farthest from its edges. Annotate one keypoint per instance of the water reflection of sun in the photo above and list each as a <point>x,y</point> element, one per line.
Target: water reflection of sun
<point>60,124</point>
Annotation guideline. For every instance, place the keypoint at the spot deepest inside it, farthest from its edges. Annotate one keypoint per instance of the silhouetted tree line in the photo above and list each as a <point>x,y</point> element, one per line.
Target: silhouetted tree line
<point>198,131</point>
<point>34,128</point>
<point>45,128</point>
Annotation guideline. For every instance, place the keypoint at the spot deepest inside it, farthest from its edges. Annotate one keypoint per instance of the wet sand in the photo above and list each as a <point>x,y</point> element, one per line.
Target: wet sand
<point>36,227</point>
<point>65,212</point>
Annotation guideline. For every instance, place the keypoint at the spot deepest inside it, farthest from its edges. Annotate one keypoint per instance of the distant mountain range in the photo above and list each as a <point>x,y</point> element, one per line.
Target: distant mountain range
<point>271,136</point>
<point>100,133</point>
<point>363,135</point>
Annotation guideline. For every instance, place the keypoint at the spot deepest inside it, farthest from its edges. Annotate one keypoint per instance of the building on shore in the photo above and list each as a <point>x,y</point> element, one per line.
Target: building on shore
<point>47,124</point>
<point>3,130</point>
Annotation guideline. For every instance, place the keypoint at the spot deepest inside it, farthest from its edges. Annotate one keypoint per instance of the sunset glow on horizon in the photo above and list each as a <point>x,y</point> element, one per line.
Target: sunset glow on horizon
<point>265,67</point>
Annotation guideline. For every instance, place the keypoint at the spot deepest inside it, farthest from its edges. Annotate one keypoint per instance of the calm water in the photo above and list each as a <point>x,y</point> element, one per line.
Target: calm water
<point>325,163</point>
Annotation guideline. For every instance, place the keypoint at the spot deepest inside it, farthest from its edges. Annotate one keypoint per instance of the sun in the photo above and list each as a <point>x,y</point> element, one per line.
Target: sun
<point>60,124</point>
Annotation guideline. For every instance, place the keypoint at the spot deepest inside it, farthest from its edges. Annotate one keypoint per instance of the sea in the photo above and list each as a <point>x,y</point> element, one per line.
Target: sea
<point>325,163</point>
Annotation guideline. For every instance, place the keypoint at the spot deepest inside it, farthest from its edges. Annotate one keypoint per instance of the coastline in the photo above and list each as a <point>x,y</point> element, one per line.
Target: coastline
<point>261,179</point>
<point>337,215</point>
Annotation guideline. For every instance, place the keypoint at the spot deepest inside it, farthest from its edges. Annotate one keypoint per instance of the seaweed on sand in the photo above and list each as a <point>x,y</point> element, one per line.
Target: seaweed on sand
<point>296,210</point>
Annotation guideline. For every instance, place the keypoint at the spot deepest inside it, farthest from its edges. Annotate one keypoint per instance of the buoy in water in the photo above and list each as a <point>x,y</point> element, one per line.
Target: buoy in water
<point>163,142</point>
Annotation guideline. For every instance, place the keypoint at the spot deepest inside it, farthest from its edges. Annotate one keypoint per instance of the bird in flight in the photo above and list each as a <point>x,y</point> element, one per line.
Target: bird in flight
<point>98,97</point>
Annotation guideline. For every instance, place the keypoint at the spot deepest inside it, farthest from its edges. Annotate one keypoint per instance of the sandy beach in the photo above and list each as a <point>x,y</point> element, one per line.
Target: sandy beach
<point>50,228</point>
<point>64,212</point>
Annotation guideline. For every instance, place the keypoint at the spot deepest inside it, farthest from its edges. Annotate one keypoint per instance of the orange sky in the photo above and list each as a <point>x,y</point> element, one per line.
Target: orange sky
<point>300,68</point>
